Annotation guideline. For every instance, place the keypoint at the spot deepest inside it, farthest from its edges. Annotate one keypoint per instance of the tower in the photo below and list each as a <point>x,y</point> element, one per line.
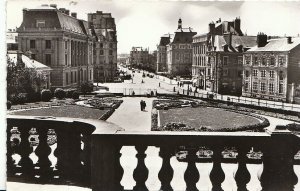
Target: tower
<point>179,23</point>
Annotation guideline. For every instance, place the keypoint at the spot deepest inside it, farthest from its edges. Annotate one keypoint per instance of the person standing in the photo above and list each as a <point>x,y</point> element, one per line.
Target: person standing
<point>144,105</point>
<point>141,104</point>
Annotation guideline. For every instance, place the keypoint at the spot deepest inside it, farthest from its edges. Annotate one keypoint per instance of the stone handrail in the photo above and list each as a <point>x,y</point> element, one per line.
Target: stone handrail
<point>278,147</point>
<point>88,154</point>
<point>69,139</point>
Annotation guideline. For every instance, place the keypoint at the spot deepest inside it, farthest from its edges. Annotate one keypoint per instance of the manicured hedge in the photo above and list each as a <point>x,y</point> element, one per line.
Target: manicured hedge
<point>46,95</point>
<point>59,93</point>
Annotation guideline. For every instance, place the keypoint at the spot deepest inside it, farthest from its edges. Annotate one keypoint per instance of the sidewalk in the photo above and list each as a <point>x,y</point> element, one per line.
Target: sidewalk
<point>130,117</point>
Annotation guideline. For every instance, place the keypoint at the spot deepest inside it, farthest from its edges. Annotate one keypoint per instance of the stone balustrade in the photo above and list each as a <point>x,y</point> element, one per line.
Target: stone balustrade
<point>88,153</point>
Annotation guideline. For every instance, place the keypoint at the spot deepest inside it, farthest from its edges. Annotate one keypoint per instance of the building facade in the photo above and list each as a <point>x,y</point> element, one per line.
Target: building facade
<point>60,41</point>
<point>272,68</point>
<point>162,53</point>
<point>225,48</point>
<point>105,49</point>
<point>199,66</point>
<point>139,57</point>
<point>12,39</point>
<point>179,52</point>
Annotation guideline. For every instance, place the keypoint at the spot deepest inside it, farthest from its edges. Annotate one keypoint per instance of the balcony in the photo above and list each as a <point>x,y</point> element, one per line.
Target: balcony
<point>91,154</point>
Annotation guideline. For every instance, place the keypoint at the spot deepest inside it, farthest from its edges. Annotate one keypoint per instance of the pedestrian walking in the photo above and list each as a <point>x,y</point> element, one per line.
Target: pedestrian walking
<point>141,105</point>
<point>159,84</point>
<point>144,105</point>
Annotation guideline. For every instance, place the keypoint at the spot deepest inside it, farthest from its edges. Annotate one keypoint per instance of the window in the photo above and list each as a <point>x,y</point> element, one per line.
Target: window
<point>263,73</point>
<point>225,72</point>
<point>255,85</point>
<point>263,61</point>
<point>110,45</point>
<point>110,52</point>
<point>281,60</point>
<point>271,88</point>
<point>246,86</point>
<point>66,44</point>
<point>247,60</point>
<point>225,60</point>
<point>101,52</point>
<point>32,43</point>
<point>48,59</point>
<point>281,75</point>
<point>255,72</point>
<point>247,73</point>
<point>48,44</point>
<point>66,59</point>
<point>271,74</point>
<point>40,23</point>
<point>90,74</point>
<point>281,88</point>
<point>240,60</point>
<point>240,74</point>
<point>272,61</point>
<point>101,45</point>
<point>255,60</point>
<point>71,77</point>
<point>263,86</point>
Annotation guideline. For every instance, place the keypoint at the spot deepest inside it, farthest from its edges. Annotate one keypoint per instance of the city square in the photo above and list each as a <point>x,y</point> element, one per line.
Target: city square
<point>215,107</point>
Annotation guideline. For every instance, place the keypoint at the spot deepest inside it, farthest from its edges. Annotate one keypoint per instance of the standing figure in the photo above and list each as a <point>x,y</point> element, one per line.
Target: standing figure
<point>142,105</point>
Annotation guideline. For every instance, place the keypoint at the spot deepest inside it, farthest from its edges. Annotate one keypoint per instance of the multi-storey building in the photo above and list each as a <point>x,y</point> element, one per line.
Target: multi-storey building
<point>59,41</point>
<point>139,57</point>
<point>179,52</point>
<point>272,69</point>
<point>199,66</point>
<point>105,50</point>
<point>12,39</point>
<point>226,45</point>
<point>162,53</point>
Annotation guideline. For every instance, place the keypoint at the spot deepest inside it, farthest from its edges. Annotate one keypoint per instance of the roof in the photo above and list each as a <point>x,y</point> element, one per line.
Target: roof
<point>184,30</point>
<point>29,63</point>
<point>183,37</point>
<point>69,23</point>
<point>164,40</point>
<point>280,44</point>
<point>200,35</point>
<point>222,40</point>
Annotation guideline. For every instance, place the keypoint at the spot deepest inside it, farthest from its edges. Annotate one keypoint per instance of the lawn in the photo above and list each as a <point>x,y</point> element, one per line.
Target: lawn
<point>73,111</point>
<point>213,118</point>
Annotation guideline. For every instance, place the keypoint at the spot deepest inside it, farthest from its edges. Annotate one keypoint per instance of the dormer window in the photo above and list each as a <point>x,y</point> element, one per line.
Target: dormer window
<point>40,23</point>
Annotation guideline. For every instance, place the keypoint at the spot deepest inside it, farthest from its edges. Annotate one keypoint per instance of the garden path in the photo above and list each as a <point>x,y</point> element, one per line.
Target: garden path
<point>130,117</point>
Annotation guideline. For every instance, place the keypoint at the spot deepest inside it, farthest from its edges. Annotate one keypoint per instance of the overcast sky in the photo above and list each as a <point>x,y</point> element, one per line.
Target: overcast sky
<point>141,23</point>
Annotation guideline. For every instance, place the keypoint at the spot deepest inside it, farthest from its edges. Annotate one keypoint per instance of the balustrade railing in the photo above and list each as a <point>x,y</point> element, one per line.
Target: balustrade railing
<point>33,141</point>
<point>88,153</point>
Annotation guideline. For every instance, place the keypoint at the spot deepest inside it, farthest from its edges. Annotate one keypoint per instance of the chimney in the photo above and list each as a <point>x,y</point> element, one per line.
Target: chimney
<point>24,12</point>
<point>74,15</point>
<point>67,12</point>
<point>179,23</point>
<point>262,40</point>
<point>289,40</point>
<point>237,24</point>
<point>53,5</point>
<point>211,28</point>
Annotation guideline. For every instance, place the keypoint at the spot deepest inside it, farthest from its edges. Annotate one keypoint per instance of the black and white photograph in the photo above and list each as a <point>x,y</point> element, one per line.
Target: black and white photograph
<point>155,95</point>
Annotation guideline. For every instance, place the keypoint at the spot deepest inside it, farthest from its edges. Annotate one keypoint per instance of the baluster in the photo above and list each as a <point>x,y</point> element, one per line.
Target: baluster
<point>278,158</point>
<point>118,170</point>
<point>242,175</point>
<point>68,152</point>
<point>217,175</point>
<point>166,172</point>
<point>10,164</point>
<point>27,167</point>
<point>140,174</point>
<point>43,150</point>
<point>86,154</point>
<point>191,175</point>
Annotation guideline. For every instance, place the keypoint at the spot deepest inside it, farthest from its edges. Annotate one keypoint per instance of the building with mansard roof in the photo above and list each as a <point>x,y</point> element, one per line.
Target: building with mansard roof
<point>60,41</point>
<point>272,69</point>
<point>105,50</point>
<point>179,52</point>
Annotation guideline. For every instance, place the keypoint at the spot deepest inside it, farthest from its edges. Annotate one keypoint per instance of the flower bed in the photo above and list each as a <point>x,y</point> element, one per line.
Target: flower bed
<point>104,103</point>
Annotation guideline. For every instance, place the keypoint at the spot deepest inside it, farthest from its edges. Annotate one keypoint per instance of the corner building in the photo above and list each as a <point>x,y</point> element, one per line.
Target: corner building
<point>60,41</point>
<point>272,69</point>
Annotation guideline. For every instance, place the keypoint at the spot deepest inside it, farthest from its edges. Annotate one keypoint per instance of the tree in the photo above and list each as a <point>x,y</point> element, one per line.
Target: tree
<point>86,87</point>
<point>21,79</point>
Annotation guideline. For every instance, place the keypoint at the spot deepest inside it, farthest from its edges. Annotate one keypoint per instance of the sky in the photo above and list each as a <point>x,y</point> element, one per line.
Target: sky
<point>142,23</point>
